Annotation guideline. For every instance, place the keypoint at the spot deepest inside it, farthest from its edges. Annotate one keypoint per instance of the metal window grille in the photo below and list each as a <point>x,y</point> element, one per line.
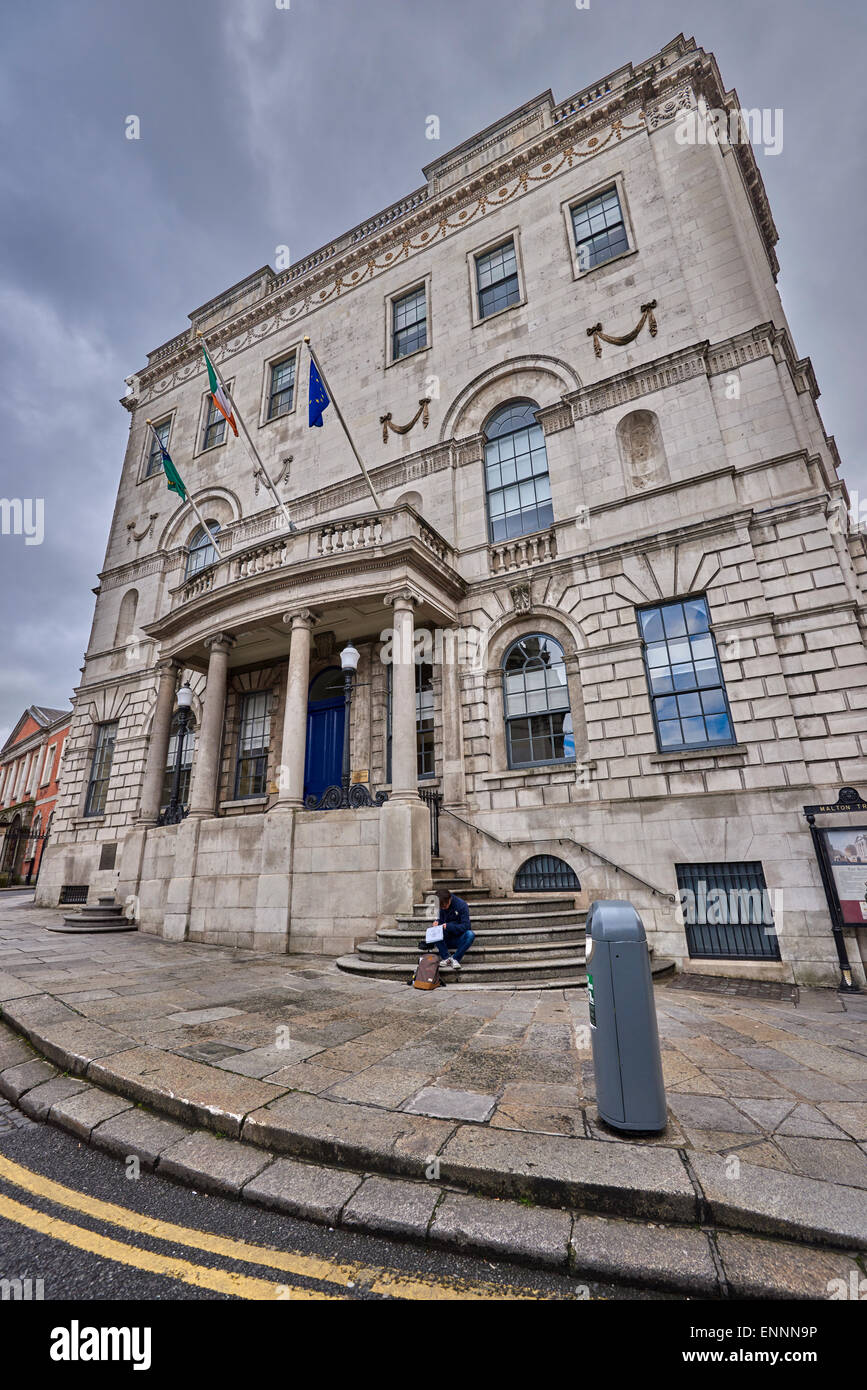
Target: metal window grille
<point>497,279</point>
<point>599,230</point>
<point>544,873</point>
<point>727,911</point>
<point>73,893</point>
<point>409,323</point>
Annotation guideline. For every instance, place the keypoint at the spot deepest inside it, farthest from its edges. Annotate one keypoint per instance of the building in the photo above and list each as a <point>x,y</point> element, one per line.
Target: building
<point>30,763</point>
<point>612,531</point>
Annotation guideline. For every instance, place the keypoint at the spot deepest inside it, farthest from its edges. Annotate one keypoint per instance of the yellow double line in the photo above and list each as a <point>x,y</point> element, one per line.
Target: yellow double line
<point>391,1284</point>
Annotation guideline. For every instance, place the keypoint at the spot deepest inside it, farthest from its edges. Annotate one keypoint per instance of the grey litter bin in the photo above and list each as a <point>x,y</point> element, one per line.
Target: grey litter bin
<point>630,1093</point>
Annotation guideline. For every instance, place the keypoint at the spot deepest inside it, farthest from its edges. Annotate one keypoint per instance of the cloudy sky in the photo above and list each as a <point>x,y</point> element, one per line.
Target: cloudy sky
<point>272,122</point>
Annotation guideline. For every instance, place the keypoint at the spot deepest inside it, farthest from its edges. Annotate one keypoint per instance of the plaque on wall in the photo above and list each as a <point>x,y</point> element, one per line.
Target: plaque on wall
<point>846,857</point>
<point>362,775</point>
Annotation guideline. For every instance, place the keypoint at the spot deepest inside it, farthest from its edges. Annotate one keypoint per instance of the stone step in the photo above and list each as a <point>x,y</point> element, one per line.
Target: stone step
<point>545,973</point>
<point>481,953</point>
<point>105,915</point>
<point>509,907</point>
<point>505,922</point>
<point>505,935</point>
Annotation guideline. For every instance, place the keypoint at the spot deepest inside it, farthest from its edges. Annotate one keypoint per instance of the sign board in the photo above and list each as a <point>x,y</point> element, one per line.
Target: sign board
<point>362,775</point>
<point>846,857</point>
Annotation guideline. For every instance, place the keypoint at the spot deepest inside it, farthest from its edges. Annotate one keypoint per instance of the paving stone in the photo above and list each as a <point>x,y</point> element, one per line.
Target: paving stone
<point>38,1102</point>
<point>391,1207</point>
<point>137,1133</point>
<point>212,1164</point>
<point>536,1120</point>
<point>14,1081</point>
<point>851,1117</point>
<point>307,1076</point>
<point>510,1230</point>
<point>451,1105</point>
<point>806,1122</point>
<point>193,1016</point>
<point>306,1190</point>
<point>13,1049</point>
<point>72,1045</point>
<point>82,1112</point>
<point>774,1203</point>
<point>209,1051</point>
<point>772,1269</point>
<point>337,1132</point>
<point>624,1177</point>
<point>260,1061</point>
<point>626,1252</point>
<point>183,1089</point>
<point>710,1112</point>
<point>379,1085</point>
<point>837,1159</point>
<point>13,988</point>
<point>767,1113</point>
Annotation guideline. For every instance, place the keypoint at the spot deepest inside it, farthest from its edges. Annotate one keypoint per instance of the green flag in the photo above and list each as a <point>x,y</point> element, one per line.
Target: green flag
<point>173,477</point>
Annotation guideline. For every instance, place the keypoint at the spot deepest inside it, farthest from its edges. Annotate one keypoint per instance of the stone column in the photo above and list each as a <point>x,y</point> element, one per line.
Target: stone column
<point>404,766</point>
<point>158,746</point>
<point>294,744</point>
<point>206,769</point>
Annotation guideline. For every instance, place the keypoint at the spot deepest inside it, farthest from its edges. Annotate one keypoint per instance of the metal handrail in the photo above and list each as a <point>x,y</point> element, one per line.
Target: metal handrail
<point>561,840</point>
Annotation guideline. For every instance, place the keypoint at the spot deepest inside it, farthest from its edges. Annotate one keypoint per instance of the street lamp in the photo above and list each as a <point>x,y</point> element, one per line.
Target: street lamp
<point>175,811</point>
<point>345,797</point>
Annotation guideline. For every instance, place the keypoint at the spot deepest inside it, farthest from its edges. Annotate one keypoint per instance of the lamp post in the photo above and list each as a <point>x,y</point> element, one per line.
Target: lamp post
<point>346,797</point>
<point>175,811</point>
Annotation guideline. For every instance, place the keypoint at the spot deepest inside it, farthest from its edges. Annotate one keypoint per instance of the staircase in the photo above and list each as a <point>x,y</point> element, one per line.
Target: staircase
<point>105,915</point>
<point>523,942</point>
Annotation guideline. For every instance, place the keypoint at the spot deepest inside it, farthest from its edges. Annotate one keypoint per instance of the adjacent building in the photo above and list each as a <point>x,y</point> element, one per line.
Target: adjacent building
<point>30,763</point>
<point>607,605</point>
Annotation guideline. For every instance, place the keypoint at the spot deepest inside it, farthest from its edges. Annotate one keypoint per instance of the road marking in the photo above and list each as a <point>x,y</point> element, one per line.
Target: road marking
<point>391,1283</point>
<point>218,1280</point>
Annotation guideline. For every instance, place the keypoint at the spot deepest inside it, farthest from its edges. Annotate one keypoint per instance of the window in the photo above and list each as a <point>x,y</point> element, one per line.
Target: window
<point>155,458</point>
<point>409,323</point>
<point>253,738</point>
<point>215,425</point>
<point>516,473</point>
<point>100,769</point>
<point>546,874</point>
<point>188,747</point>
<point>48,763</point>
<point>727,912</point>
<point>600,233</point>
<point>497,279</point>
<point>536,703</point>
<point>282,393</point>
<point>201,552</point>
<point>687,691</point>
<point>424,721</point>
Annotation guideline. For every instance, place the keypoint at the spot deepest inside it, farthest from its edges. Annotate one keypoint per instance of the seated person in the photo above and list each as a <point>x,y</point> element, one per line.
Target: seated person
<point>454,918</point>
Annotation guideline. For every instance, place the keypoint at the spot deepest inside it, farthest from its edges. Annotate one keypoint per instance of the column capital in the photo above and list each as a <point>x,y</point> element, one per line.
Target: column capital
<point>167,664</point>
<point>220,640</point>
<point>405,597</point>
<point>300,617</point>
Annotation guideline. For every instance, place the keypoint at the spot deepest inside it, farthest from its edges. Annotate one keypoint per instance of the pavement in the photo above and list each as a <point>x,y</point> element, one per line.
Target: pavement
<point>471,1096</point>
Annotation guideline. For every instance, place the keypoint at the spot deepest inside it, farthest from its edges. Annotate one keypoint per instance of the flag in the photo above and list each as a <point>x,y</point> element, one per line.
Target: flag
<point>318,397</point>
<point>173,477</point>
<point>218,394</point>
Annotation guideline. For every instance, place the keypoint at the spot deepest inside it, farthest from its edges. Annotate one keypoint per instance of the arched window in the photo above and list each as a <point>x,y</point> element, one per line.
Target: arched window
<point>546,874</point>
<point>536,703</point>
<point>201,552</point>
<point>516,473</point>
<point>126,616</point>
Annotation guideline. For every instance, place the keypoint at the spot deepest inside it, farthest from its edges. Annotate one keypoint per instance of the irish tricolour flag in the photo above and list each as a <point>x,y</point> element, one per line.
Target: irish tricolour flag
<point>218,393</point>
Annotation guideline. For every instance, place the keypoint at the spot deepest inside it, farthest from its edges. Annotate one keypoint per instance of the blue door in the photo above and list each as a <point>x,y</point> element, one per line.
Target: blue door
<point>324,761</point>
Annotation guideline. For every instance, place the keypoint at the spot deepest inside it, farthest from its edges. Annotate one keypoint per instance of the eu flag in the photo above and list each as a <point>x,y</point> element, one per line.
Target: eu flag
<point>318,397</point>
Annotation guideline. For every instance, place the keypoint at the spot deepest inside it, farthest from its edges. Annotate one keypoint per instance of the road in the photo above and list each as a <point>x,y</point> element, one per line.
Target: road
<point>75,1225</point>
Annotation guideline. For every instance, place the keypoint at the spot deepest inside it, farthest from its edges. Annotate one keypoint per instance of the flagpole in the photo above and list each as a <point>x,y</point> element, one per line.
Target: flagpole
<point>202,522</point>
<point>339,415</point>
<point>252,447</point>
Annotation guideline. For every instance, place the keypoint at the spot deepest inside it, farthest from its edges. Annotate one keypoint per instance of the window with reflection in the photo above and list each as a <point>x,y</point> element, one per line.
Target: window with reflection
<point>201,552</point>
<point>536,703</point>
<point>251,772</point>
<point>684,676</point>
<point>188,744</point>
<point>516,473</point>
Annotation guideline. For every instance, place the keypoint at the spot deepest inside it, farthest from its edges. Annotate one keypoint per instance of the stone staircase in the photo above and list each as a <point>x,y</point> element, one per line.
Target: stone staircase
<point>523,942</point>
<point>105,915</point>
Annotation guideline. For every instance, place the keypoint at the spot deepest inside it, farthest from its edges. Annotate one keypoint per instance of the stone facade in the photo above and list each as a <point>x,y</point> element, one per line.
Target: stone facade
<point>688,459</point>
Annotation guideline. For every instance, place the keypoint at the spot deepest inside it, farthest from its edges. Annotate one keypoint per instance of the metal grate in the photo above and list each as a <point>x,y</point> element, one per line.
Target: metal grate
<point>433,800</point>
<point>727,912</point>
<point>544,873</point>
<point>74,893</point>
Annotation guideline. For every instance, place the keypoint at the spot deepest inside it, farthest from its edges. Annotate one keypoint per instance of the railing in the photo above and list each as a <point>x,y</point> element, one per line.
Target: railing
<point>522,551</point>
<point>330,540</point>
<point>433,800</point>
<point>563,840</point>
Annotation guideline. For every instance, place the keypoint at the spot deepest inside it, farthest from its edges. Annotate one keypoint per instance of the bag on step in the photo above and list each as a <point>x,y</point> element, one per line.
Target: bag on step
<point>427,974</point>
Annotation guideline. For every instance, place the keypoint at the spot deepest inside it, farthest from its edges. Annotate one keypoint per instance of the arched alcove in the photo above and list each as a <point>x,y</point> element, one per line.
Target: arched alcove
<point>126,616</point>
<point>642,452</point>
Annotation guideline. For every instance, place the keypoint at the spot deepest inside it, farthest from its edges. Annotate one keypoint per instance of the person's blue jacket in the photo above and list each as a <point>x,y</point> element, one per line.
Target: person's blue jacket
<point>456,917</point>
